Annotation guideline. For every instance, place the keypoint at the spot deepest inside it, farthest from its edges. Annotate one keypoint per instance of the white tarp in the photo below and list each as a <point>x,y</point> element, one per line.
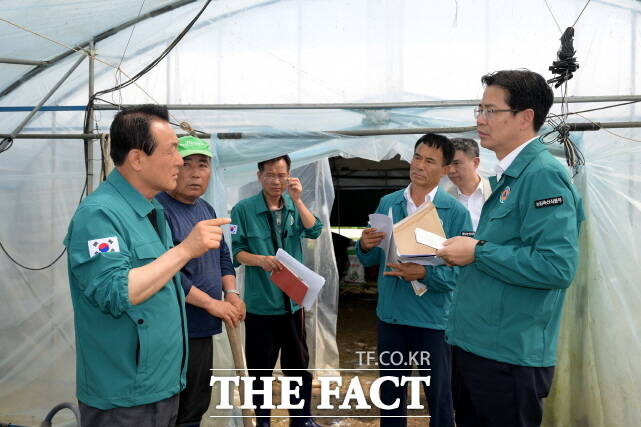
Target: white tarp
<point>290,51</point>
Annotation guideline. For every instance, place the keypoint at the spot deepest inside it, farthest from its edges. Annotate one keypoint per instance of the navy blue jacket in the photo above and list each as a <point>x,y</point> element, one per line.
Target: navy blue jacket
<point>204,272</point>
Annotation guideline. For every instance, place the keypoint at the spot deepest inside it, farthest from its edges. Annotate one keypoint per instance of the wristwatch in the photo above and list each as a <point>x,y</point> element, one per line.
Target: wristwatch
<point>232,291</point>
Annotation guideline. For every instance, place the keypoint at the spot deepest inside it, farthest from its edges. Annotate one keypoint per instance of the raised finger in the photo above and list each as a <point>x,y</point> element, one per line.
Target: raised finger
<point>217,221</point>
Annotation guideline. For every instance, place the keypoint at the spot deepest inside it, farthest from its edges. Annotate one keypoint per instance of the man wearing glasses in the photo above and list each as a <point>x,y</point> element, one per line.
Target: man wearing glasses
<point>274,323</point>
<point>504,322</point>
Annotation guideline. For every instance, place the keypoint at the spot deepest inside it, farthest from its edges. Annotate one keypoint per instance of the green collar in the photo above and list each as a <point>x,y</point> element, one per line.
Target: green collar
<point>524,158</point>
<point>136,200</point>
<point>260,206</point>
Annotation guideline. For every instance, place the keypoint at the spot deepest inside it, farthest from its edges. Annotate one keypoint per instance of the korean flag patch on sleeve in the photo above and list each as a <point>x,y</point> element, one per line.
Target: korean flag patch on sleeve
<point>107,244</point>
<point>233,228</point>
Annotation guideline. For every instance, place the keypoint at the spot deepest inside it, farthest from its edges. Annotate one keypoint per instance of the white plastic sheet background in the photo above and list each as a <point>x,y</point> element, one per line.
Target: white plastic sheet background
<point>308,51</point>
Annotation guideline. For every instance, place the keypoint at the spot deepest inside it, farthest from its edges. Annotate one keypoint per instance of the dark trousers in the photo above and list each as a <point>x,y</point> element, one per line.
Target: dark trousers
<point>488,393</point>
<point>157,414</point>
<point>195,398</point>
<point>265,337</point>
<point>396,342</point>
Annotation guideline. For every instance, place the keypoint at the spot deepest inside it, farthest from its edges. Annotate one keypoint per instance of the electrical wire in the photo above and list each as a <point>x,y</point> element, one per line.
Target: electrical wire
<point>609,131</point>
<point>132,80</point>
<point>553,17</point>
<point>563,70</point>
<point>19,264</point>
<point>118,74</point>
<point>595,109</point>
<point>149,67</point>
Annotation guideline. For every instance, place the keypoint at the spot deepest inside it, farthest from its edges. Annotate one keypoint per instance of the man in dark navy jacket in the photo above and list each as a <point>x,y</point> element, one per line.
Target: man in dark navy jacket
<point>204,279</point>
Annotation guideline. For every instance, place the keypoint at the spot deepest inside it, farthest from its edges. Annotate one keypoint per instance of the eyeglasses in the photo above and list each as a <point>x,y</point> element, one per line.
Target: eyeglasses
<point>487,112</point>
<point>273,178</point>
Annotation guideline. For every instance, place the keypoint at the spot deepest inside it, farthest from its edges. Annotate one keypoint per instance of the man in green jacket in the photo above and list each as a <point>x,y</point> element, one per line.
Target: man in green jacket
<point>414,300</point>
<point>505,319</point>
<point>129,307</point>
<point>263,223</point>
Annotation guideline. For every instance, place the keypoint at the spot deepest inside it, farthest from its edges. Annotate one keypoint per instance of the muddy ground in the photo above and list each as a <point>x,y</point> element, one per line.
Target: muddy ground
<point>356,332</point>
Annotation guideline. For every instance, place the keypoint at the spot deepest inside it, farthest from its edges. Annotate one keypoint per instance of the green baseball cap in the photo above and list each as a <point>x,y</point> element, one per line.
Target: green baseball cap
<point>188,145</point>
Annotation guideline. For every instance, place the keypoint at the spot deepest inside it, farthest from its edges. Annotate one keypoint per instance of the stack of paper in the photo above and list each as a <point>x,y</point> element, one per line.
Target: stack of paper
<point>413,239</point>
<point>296,280</point>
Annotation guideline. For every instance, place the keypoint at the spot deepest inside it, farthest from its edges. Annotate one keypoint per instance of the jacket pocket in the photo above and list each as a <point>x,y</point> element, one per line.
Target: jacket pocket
<point>501,212</point>
<point>141,351</point>
<point>146,253</point>
<point>260,241</point>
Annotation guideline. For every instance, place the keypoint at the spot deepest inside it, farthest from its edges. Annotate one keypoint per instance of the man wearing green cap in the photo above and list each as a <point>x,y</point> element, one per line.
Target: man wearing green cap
<point>204,279</point>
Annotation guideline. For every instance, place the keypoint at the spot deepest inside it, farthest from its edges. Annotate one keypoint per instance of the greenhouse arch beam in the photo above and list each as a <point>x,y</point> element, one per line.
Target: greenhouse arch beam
<point>573,127</point>
<point>370,105</point>
<point>84,45</point>
<point>17,61</point>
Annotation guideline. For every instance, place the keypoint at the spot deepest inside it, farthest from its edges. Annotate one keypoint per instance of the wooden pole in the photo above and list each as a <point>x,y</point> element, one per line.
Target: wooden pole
<point>239,365</point>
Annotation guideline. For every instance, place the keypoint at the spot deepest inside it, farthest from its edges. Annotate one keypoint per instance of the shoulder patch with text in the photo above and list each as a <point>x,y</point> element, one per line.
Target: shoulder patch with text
<point>467,233</point>
<point>552,201</point>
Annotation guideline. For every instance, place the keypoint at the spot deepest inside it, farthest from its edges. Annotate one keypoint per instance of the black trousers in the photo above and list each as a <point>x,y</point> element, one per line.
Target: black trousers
<point>265,337</point>
<point>488,393</point>
<point>157,414</point>
<point>409,345</point>
<point>195,398</point>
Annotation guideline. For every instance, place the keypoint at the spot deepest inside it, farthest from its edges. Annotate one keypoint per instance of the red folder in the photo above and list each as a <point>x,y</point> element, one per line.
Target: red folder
<point>289,283</point>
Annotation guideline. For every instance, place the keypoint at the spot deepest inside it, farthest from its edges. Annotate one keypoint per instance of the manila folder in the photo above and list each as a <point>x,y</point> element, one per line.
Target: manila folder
<point>426,218</point>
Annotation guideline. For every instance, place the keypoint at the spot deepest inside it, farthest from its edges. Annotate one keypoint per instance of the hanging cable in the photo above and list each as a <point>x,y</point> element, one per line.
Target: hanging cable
<point>6,144</point>
<point>595,109</point>
<point>563,70</point>
<point>566,64</point>
<point>19,264</point>
<point>118,74</point>
<point>145,70</point>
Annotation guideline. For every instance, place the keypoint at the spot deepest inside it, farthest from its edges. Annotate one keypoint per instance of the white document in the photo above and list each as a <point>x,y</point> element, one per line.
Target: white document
<point>312,279</point>
<point>428,238</point>
<point>419,288</point>
<point>384,223</point>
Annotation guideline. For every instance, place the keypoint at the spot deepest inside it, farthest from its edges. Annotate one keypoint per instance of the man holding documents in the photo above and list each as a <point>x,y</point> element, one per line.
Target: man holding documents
<point>414,299</point>
<point>262,224</point>
<point>204,279</point>
<point>505,320</point>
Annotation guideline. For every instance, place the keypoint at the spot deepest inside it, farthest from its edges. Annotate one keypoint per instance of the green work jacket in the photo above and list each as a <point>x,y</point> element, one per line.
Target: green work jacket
<point>397,301</point>
<point>126,355</point>
<point>507,304</point>
<point>251,233</point>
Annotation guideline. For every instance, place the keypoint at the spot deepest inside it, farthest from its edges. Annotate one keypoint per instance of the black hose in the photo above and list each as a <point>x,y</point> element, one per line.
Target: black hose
<point>71,406</point>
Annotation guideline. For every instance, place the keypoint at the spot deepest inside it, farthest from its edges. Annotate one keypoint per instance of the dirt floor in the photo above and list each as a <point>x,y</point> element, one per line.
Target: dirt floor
<point>356,332</point>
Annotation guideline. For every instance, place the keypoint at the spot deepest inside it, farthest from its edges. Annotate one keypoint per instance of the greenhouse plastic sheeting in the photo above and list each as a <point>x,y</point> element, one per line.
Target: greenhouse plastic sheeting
<point>307,51</point>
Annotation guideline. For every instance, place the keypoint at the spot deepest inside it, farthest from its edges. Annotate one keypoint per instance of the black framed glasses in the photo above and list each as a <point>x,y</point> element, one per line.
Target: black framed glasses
<point>487,112</point>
